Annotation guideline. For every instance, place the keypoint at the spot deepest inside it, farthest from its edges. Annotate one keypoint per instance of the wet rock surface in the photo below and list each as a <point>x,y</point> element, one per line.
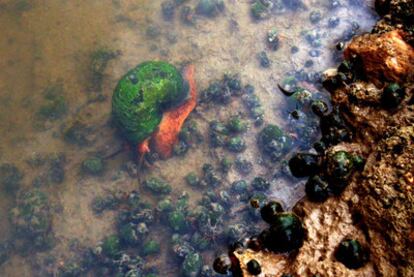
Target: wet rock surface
<point>367,229</point>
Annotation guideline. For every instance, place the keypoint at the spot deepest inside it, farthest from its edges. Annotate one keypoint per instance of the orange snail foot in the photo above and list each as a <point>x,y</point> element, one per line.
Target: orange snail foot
<point>172,121</point>
<point>143,147</point>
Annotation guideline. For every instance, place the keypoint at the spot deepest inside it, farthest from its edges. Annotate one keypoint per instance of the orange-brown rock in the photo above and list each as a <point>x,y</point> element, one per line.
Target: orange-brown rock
<point>385,57</point>
<point>327,224</point>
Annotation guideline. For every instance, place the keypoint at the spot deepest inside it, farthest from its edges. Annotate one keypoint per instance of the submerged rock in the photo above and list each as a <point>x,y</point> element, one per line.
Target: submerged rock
<point>273,142</point>
<point>303,165</point>
<point>192,265</point>
<point>93,166</point>
<point>157,186</point>
<point>32,220</point>
<point>210,8</point>
<point>10,177</point>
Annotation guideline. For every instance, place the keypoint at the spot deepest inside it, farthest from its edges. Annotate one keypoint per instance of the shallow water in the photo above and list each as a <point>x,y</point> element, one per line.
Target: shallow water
<point>47,49</point>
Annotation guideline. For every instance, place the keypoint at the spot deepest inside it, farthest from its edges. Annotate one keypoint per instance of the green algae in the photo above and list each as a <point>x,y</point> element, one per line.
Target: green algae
<point>143,94</point>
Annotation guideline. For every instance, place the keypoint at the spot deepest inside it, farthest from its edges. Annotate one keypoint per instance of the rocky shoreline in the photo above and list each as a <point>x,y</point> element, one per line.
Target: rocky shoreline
<point>373,91</point>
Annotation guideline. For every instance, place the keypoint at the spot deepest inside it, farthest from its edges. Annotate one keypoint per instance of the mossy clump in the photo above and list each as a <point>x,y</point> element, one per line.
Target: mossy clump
<point>210,8</point>
<point>273,142</point>
<point>192,179</point>
<point>192,265</point>
<point>32,219</point>
<point>93,166</point>
<point>77,133</point>
<point>151,247</point>
<point>143,94</point>
<point>178,221</point>
<point>55,105</point>
<point>111,247</point>
<point>10,177</point>
<point>237,125</point>
<point>99,60</point>
<point>157,186</point>
<point>259,10</point>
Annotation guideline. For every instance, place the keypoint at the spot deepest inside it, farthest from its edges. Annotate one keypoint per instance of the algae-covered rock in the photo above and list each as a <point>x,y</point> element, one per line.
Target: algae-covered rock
<point>210,8</point>
<point>111,246</point>
<point>151,247</point>
<point>192,265</point>
<point>93,166</point>
<point>177,221</point>
<point>31,217</point>
<point>143,94</point>
<point>273,142</point>
<point>157,186</point>
<point>10,177</point>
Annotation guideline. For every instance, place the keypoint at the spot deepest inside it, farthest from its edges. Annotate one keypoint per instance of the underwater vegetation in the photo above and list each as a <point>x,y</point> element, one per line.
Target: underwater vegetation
<point>31,219</point>
<point>10,177</point>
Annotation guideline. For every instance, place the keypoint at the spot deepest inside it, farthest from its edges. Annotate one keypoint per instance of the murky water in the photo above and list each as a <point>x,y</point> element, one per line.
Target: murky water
<point>60,62</point>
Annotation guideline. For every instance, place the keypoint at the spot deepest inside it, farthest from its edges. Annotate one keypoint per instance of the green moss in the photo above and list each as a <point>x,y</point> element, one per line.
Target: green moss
<point>111,247</point>
<point>151,247</point>
<point>157,186</point>
<point>143,94</point>
<point>31,216</point>
<point>128,234</point>
<point>237,125</point>
<point>225,165</point>
<point>236,144</point>
<point>10,177</point>
<point>178,221</point>
<point>55,104</point>
<point>98,62</point>
<point>273,142</point>
<point>259,10</point>
<point>165,205</point>
<point>192,265</point>
<point>93,166</point>
<point>192,179</point>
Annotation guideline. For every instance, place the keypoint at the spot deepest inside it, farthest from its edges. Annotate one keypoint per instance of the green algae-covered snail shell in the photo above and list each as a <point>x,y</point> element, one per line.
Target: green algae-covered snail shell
<point>143,94</point>
<point>286,233</point>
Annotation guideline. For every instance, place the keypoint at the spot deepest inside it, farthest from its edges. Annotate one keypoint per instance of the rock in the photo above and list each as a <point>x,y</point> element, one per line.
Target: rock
<point>371,146</point>
<point>316,254</point>
<point>273,142</point>
<point>192,265</point>
<point>385,57</point>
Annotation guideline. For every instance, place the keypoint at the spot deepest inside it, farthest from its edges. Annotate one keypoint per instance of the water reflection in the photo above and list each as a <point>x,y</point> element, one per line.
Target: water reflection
<point>60,62</point>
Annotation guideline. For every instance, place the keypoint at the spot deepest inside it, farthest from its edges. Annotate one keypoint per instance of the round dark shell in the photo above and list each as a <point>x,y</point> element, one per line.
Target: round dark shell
<point>286,234</point>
